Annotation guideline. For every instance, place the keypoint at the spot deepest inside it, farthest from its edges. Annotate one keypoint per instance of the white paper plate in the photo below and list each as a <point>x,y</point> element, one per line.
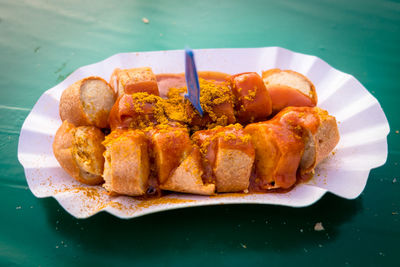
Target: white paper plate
<point>362,124</point>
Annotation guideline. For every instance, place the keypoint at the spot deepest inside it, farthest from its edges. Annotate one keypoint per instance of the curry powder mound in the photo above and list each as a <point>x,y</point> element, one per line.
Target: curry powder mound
<point>155,111</point>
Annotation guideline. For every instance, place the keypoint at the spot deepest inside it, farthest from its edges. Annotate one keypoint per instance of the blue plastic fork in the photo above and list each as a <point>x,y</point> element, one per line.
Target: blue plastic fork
<point>192,81</point>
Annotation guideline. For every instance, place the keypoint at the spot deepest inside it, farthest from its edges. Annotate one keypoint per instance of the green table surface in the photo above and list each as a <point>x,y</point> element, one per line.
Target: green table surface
<point>43,41</point>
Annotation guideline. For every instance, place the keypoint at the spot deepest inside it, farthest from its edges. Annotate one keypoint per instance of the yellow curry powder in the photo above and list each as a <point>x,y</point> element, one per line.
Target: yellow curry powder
<point>153,110</point>
<point>211,95</point>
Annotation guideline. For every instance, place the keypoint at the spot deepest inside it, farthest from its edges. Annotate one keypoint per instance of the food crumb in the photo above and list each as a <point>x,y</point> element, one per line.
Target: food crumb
<point>18,207</point>
<point>394,180</point>
<point>319,227</point>
<point>56,246</point>
<point>397,131</point>
<point>243,245</point>
<point>301,230</point>
<point>145,20</point>
<point>395,213</point>
<point>246,191</point>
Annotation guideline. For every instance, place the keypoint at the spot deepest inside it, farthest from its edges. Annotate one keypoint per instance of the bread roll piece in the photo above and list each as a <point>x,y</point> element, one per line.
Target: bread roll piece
<point>228,157</point>
<point>87,102</point>
<point>129,81</point>
<point>320,132</point>
<point>126,168</point>
<point>252,100</point>
<point>80,152</point>
<point>278,153</point>
<point>170,147</point>
<point>187,178</point>
<point>289,88</point>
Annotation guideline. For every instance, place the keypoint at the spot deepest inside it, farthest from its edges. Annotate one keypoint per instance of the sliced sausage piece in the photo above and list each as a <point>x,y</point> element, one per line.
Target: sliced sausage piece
<point>252,100</point>
<point>278,154</point>
<point>319,129</point>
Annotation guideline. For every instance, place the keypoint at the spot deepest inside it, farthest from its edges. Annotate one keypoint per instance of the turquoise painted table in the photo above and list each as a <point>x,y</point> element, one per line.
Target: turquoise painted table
<point>42,42</point>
